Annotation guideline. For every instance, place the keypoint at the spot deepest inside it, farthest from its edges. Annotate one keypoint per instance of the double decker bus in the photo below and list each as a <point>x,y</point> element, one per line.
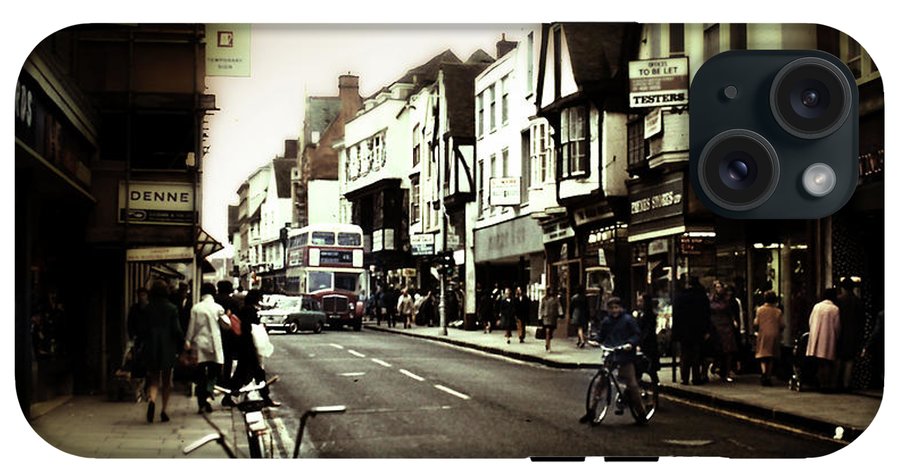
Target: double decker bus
<point>326,261</point>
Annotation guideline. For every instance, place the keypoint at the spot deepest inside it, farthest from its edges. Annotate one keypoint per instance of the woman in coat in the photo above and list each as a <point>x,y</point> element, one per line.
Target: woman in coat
<point>769,322</point>
<point>164,340</point>
<point>580,315</point>
<point>723,319</point>
<point>646,319</point>
<point>824,328</point>
<point>507,308</point>
<point>522,305</point>
<point>550,311</point>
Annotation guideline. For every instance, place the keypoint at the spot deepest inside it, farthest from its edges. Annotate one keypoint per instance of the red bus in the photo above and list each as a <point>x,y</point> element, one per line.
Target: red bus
<point>326,261</point>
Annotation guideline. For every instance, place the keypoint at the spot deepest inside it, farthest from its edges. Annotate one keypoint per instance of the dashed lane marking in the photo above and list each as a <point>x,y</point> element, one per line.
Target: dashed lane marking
<point>337,346</point>
<point>411,375</point>
<point>381,363</point>
<point>353,352</point>
<point>352,374</point>
<point>452,392</point>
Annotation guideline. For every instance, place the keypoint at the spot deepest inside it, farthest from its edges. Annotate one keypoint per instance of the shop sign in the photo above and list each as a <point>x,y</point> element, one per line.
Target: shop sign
<point>657,247</point>
<point>228,50</point>
<point>658,82</point>
<point>505,191</point>
<point>659,201</point>
<point>165,253</point>
<point>653,123</point>
<point>422,244</point>
<point>156,203</point>
<point>601,257</point>
<point>693,245</point>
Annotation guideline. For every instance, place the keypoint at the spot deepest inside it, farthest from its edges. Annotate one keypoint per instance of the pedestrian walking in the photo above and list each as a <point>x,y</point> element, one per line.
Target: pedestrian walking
<point>381,303</point>
<point>850,340</point>
<point>691,328</point>
<point>645,315</point>
<point>769,323</point>
<point>164,339</point>
<point>522,308</point>
<point>224,297</point>
<point>824,329</point>
<point>486,311</point>
<point>249,366</point>
<point>204,338</point>
<point>138,334</point>
<point>507,313</point>
<point>724,320</point>
<point>580,315</point>
<point>406,308</point>
<point>550,311</point>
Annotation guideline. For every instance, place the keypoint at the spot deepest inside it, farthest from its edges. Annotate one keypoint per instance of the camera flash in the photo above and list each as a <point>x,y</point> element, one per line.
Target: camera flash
<point>819,180</point>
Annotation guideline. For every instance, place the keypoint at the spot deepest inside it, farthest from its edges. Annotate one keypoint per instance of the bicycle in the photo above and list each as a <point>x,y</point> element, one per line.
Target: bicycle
<point>600,390</point>
<point>249,402</point>
<point>251,407</point>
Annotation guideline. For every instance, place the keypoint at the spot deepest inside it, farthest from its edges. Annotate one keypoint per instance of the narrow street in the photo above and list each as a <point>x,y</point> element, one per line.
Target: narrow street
<point>408,398</point>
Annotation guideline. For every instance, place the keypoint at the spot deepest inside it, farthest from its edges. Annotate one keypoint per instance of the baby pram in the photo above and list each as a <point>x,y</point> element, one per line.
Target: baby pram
<point>804,367</point>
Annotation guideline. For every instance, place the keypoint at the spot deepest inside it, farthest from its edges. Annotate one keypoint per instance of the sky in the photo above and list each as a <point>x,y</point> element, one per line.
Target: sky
<point>289,62</point>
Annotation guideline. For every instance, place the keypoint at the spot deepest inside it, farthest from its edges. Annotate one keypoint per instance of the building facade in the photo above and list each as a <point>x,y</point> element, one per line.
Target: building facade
<point>108,146</point>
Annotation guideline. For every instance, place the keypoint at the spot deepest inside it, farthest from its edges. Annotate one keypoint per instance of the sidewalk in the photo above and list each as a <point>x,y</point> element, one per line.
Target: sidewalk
<point>94,427</point>
<point>813,412</point>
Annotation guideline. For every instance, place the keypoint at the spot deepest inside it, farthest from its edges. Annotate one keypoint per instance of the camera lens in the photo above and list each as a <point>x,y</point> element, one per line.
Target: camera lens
<point>738,169</point>
<point>810,98</point>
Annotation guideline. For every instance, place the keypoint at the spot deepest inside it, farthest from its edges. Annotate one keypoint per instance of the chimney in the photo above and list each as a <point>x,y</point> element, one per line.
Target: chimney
<point>504,46</point>
<point>290,149</point>
<point>349,93</point>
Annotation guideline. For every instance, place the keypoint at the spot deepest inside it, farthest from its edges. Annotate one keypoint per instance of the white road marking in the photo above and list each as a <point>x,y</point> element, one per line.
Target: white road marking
<point>382,363</point>
<point>452,392</point>
<point>411,375</point>
<point>337,346</point>
<point>353,352</point>
<point>287,441</point>
<point>352,374</point>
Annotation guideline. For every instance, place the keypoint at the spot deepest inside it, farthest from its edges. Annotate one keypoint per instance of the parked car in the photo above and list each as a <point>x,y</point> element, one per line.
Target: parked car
<point>293,314</point>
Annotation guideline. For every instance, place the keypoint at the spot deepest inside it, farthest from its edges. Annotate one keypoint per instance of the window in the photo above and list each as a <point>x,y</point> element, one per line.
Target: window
<point>414,208</point>
<point>526,164</point>
<point>710,41</point>
<point>737,36</point>
<point>529,68</point>
<point>676,39</point>
<point>491,120</point>
<point>857,59</point>
<point>482,173</point>
<point>349,239</point>
<point>504,163</point>
<point>573,141</point>
<point>637,147</point>
<point>479,118</point>
<point>322,238</point>
<point>541,168</point>
<point>504,100</point>
<point>415,155</point>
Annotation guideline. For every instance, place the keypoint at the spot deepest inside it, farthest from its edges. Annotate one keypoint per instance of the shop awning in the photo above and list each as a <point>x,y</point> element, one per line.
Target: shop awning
<point>206,244</point>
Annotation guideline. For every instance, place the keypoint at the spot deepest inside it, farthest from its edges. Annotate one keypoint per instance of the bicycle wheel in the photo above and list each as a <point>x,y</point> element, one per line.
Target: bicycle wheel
<point>650,399</point>
<point>255,448</point>
<point>599,396</point>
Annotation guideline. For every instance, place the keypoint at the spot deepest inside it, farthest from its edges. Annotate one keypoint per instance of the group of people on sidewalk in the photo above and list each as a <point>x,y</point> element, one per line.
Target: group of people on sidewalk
<point>706,327</point>
<point>409,306</point>
<point>218,332</point>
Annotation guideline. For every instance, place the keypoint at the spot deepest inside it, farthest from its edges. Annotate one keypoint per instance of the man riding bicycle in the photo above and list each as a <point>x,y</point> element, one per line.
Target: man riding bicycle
<point>620,329</point>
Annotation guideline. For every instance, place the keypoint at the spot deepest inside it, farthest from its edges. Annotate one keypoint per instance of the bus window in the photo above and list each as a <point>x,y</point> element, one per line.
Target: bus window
<point>322,238</point>
<point>319,280</point>
<point>303,238</point>
<point>346,281</point>
<point>349,239</point>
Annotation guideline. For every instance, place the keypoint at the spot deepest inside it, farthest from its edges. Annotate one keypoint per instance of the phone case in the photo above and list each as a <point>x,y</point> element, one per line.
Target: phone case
<point>437,205</point>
